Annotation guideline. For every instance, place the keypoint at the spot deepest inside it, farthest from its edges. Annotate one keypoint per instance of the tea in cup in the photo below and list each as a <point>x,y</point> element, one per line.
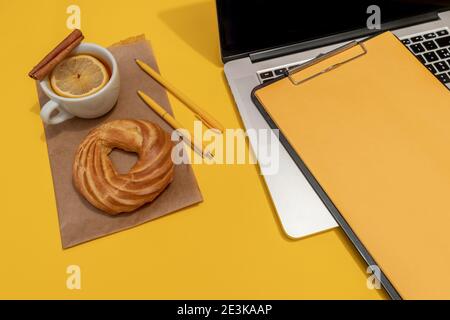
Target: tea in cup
<point>85,85</point>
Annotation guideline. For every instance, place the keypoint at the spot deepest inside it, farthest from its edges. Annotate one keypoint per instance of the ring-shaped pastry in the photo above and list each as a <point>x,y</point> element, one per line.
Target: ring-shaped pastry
<point>99,182</point>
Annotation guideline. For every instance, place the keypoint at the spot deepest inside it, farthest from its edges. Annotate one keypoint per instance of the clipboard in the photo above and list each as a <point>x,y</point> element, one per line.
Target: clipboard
<point>369,127</point>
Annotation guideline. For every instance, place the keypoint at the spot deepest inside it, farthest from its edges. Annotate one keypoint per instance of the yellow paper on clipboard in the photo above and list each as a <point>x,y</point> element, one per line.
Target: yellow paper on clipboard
<point>371,126</point>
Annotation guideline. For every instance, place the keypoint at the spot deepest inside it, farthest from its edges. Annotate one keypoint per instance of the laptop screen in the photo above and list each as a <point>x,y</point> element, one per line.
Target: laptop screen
<point>252,25</point>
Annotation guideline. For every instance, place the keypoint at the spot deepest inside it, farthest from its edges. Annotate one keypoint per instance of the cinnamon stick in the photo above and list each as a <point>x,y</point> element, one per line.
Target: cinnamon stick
<point>62,50</point>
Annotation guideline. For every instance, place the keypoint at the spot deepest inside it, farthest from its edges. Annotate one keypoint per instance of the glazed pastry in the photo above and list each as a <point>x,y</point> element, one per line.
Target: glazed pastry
<point>98,181</point>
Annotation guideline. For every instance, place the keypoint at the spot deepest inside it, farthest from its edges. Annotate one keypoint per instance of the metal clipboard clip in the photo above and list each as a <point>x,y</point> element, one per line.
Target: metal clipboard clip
<point>324,57</point>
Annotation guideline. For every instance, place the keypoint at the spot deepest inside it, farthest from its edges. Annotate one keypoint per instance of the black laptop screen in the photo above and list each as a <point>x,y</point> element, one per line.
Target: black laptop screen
<point>253,25</point>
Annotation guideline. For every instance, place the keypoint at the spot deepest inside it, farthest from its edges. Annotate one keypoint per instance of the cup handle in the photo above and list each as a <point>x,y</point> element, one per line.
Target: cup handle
<point>47,110</point>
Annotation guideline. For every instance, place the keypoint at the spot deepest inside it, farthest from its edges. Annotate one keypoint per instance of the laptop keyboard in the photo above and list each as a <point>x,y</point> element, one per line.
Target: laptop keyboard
<point>268,75</point>
<point>432,48</point>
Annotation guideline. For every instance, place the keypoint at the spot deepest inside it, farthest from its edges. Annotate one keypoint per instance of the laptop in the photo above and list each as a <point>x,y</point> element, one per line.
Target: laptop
<point>262,39</point>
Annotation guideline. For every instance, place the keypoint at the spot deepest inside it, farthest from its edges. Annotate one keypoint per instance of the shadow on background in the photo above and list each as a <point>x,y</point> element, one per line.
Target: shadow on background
<point>196,25</point>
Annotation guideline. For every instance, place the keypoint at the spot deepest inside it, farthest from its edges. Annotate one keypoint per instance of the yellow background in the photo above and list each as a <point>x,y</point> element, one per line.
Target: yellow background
<point>230,246</point>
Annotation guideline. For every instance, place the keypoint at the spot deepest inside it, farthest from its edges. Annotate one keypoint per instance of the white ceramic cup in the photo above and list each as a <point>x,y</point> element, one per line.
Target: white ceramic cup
<point>91,106</point>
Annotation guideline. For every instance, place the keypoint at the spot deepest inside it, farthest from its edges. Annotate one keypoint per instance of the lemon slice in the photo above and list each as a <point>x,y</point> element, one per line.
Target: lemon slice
<point>79,76</point>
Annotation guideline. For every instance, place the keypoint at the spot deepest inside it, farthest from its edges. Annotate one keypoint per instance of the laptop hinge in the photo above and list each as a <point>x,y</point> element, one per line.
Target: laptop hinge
<point>307,45</point>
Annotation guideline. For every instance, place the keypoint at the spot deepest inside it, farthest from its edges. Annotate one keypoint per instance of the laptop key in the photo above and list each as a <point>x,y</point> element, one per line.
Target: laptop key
<point>442,32</point>
<point>431,35</point>
<point>431,68</point>
<point>443,53</point>
<point>417,48</point>
<point>443,77</point>
<point>280,72</point>
<point>441,66</point>
<point>265,75</point>
<point>443,42</point>
<point>430,57</point>
<point>417,39</point>
<point>430,45</point>
<point>406,41</point>
<point>421,58</point>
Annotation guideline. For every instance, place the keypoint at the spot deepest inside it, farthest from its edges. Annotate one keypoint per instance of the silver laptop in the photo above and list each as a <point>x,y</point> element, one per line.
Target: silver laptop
<point>262,39</point>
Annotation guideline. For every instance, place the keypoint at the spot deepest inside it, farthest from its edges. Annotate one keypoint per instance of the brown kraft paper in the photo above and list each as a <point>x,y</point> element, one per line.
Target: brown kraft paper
<point>80,221</point>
